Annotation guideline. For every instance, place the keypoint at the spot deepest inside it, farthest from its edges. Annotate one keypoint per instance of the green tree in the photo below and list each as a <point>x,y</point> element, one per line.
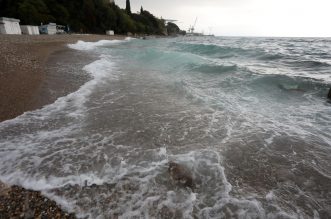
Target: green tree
<point>93,16</point>
<point>90,16</point>
<point>128,7</point>
<point>58,11</point>
<point>172,29</point>
<point>34,12</point>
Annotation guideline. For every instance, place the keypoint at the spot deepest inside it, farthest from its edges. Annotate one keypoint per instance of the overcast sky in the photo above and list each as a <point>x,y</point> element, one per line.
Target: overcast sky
<point>245,17</point>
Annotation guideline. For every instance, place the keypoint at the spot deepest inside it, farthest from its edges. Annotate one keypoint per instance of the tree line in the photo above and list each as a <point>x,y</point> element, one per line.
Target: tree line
<point>86,16</point>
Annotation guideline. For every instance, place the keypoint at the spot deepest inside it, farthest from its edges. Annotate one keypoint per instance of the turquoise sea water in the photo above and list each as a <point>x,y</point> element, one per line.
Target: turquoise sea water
<point>249,117</point>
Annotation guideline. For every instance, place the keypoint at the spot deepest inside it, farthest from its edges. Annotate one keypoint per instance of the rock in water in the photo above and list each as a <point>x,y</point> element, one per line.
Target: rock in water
<point>181,174</point>
<point>329,95</point>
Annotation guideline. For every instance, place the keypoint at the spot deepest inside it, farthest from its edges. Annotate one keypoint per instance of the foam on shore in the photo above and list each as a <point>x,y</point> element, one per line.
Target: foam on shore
<point>82,45</point>
<point>104,150</point>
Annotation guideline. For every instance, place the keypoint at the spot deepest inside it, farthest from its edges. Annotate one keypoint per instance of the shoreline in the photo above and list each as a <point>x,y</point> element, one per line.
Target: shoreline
<point>24,65</point>
<point>30,78</point>
<point>17,202</point>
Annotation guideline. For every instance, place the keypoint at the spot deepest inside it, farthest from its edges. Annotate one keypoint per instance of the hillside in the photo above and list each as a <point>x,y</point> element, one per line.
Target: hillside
<point>83,16</point>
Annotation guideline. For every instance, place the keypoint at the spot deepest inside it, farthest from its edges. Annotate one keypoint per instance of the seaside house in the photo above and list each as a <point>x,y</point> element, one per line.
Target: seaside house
<point>30,30</point>
<point>10,26</point>
<point>49,29</point>
<point>110,32</point>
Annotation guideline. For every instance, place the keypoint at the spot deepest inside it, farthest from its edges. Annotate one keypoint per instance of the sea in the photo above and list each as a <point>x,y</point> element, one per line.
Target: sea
<point>248,117</point>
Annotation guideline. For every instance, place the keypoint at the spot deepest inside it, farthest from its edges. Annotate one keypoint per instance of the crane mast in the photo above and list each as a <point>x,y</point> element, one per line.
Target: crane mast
<point>191,29</point>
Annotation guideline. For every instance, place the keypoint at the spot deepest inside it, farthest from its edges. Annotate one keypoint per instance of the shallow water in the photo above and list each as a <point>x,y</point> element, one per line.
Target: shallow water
<point>248,116</point>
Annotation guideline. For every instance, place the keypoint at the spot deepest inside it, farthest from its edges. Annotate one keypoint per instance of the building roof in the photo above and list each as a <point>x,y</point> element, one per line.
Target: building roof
<point>2,19</point>
<point>28,26</point>
<point>48,25</point>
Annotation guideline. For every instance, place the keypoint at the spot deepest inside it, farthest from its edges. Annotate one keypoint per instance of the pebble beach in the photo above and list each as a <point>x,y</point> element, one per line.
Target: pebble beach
<point>23,64</point>
<point>26,76</point>
<point>186,127</point>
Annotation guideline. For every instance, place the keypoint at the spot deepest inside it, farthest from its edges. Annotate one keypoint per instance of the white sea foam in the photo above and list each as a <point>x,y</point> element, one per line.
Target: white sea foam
<point>53,121</point>
<point>270,196</point>
<point>82,45</point>
<point>100,171</point>
<point>326,78</point>
<point>42,183</point>
<point>72,105</point>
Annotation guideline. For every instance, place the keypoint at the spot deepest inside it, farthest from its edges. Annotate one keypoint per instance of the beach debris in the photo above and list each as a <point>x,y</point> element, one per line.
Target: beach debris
<point>181,174</point>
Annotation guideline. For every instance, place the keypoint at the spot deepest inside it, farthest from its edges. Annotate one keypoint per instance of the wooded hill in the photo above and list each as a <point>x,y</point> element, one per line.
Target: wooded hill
<point>85,16</point>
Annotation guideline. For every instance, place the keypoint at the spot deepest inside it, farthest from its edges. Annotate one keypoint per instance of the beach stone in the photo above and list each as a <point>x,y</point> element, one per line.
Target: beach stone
<point>181,175</point>
<point>4,189</point>
<point>17,202</point>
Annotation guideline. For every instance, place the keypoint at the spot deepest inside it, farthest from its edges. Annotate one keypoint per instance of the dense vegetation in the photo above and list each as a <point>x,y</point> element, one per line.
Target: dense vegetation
<point>86,16</point>
<point>173,29</point>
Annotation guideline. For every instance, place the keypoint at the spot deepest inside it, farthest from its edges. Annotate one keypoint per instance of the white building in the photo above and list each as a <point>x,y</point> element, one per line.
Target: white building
<point>10,26</point>
<point>110,32</point>
<point>49,29</point>
<point>30,30</point>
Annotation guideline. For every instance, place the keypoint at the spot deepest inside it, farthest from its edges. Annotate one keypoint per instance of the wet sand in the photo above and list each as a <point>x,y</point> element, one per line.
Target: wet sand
<point>33,74</point>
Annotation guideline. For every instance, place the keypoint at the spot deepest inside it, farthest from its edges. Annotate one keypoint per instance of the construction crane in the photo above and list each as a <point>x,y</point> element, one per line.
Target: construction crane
<point>191,29</point>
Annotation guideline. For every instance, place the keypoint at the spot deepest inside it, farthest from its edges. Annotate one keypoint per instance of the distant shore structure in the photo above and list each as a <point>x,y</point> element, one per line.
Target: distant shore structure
<point>192,28</point>
<point>30,30</point>
<point>110,32</point>
<point>49,29</point>
<point>10,26</point>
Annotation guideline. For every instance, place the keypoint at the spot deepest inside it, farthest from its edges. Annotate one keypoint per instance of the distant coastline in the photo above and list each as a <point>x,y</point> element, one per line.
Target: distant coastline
<point>95,17</point>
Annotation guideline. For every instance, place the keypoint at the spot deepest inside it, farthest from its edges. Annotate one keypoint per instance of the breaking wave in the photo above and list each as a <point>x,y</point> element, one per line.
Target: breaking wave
<point>246,117</point>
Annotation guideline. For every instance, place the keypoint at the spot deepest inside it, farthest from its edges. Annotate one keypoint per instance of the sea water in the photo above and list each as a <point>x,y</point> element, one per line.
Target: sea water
<point>249,117</point>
